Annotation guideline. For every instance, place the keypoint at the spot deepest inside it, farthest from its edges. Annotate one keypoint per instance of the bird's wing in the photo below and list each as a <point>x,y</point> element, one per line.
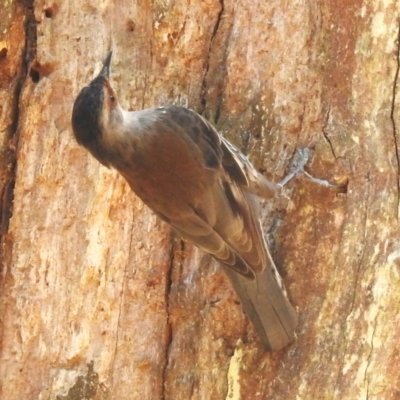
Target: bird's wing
<point>240,169</point>
<point>224,214</point>
<point>223,223</point>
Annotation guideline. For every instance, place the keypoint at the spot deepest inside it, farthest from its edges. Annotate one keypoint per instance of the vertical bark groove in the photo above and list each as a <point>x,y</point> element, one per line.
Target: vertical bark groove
<point>10,145</point>
<point>203,101</point>
<point>393,120</point>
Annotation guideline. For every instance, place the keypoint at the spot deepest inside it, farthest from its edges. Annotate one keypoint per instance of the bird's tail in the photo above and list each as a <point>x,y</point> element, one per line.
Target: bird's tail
<point>266,305</point>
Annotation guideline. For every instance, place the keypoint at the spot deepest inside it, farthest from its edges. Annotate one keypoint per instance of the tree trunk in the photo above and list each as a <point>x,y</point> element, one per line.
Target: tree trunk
<point>101,300</point>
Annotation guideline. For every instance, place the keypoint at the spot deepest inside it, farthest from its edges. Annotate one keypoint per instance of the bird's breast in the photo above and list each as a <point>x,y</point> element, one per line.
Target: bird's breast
<point>165,171</point>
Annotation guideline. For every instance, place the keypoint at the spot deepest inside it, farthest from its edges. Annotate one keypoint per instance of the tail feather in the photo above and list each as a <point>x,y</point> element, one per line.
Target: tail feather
<point>267,307</point>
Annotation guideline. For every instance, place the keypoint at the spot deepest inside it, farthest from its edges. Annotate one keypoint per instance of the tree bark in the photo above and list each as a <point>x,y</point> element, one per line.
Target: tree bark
<point>101,300</point>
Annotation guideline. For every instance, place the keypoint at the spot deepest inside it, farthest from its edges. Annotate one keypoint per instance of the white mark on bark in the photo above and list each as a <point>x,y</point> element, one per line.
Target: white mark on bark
<point>234,376</point>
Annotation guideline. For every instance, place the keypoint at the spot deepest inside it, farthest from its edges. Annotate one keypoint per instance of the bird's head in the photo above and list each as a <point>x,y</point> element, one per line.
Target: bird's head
<point>93,108</point>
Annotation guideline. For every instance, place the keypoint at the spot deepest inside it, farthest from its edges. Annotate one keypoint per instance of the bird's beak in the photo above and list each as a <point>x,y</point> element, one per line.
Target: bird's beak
<point>105,71</point>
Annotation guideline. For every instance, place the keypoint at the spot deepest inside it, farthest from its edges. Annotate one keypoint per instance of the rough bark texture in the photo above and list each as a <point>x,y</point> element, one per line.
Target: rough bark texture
<point>100,300</point>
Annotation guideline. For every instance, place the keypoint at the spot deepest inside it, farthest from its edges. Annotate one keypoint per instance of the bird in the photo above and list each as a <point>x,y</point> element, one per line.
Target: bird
<point>195,180</point>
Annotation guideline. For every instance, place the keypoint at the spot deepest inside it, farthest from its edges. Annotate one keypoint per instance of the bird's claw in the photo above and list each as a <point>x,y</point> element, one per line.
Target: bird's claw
<point>300,160</point>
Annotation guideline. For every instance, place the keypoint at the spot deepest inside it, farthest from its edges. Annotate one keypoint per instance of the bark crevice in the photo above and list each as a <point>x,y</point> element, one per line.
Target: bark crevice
<point>168,290</point>
<point>393,120</point>
<point>325,133</point>
<point>203,93</point>
<point>9,158</point>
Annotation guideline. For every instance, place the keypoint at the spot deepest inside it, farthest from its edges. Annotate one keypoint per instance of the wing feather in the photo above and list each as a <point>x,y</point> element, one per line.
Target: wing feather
<point>223,213</point>
<point>222,220</point>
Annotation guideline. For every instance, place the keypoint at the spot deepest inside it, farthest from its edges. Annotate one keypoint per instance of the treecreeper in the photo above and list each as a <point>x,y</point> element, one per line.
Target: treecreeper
<point>199,183</point>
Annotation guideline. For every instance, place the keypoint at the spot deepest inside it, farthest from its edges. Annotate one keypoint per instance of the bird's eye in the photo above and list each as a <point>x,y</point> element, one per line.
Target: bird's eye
<point>112,98</point>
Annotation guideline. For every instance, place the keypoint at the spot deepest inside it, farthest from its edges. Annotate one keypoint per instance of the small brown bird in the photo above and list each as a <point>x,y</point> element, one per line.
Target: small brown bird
<point>200,184</point>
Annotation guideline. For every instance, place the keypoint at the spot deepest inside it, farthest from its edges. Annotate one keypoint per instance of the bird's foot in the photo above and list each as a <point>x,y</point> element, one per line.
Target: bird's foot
<point>300,160</point>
